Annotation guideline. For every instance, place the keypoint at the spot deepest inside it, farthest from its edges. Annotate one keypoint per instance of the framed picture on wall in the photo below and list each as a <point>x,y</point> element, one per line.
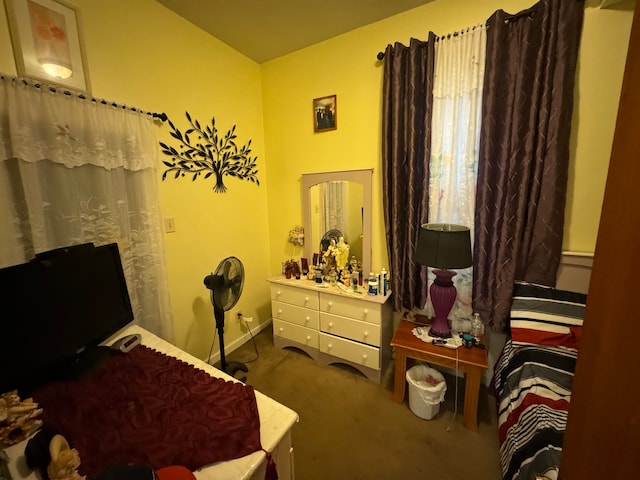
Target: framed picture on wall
<point>325,113</point>
<point>47,42</point>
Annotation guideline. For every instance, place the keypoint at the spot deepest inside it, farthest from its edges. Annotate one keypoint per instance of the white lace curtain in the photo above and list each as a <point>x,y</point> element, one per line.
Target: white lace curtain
<point>333,198</point>
<point>74,171</point>
<point>456,120</point>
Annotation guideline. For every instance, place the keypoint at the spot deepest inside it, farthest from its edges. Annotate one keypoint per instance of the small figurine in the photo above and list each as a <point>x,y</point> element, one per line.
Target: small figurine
<point>64,460</point>
<point>312,272</point>
<point>330,257</point>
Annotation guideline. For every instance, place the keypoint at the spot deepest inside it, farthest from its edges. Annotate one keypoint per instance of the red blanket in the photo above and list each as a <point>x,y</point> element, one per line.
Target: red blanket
<point>145,407</point>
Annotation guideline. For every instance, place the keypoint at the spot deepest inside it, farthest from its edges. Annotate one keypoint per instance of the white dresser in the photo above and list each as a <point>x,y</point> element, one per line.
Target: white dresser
<point>331,325</point>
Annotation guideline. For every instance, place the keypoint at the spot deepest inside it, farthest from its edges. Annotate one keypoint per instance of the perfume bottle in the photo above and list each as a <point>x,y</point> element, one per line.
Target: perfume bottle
<point>354,279</point>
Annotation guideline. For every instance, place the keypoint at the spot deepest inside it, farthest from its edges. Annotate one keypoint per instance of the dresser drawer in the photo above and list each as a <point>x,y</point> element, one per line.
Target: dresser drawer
<point>295,296</point>
<point>297,333</point>
<point>353,351</point>
<point>353,329</point>
<point>352,308</point>
<point>294,314</point>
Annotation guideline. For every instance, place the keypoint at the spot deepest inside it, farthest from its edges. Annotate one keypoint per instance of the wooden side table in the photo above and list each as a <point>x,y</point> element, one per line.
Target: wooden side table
<point>471,361</point>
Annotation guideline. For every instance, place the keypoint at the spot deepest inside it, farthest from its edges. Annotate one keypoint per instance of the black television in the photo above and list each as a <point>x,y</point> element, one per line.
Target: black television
<point>54,312</point>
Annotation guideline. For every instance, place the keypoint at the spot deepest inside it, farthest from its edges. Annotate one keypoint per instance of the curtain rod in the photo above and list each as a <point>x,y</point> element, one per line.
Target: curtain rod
<point>53,89</point>
<point>524,13</point>
<point>380,55</point>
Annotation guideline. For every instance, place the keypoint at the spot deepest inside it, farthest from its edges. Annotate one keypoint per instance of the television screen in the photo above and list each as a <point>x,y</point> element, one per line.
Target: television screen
<point>56,309</point>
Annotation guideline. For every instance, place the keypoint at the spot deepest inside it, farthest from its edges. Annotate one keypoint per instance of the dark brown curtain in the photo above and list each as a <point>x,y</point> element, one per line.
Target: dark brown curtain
<point>524,151</point>
<point>406,142</point>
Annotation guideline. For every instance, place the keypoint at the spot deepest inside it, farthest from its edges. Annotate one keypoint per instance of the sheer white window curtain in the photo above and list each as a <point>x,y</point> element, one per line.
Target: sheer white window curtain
<point>333,197</point>
<point>75,171</point>
<point>456,120</point>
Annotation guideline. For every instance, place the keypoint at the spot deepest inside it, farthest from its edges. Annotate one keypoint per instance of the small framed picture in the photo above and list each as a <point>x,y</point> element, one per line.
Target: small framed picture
<point>47,42</point>
<point>325,113</point>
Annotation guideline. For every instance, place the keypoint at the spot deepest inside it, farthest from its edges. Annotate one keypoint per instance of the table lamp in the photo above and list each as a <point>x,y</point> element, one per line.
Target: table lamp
<point>443,246</point>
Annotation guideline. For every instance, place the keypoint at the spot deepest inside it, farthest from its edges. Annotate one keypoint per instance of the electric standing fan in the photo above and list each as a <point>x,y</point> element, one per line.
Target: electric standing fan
<point>226,286</point>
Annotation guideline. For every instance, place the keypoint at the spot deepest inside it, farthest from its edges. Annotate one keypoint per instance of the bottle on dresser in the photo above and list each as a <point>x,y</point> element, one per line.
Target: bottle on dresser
<point>354,279</point>
<point>384,282</point>
<point>373,284</point>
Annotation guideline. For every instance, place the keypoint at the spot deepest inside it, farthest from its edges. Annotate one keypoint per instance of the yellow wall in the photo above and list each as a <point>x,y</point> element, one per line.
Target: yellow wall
<point>140,53</point>
<point>605,37</point>
<point>346,66</point>
<point>7,65</point>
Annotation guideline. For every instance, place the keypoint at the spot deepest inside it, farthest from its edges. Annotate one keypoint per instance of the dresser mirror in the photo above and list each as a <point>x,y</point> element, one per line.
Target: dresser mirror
<point>338,204</point>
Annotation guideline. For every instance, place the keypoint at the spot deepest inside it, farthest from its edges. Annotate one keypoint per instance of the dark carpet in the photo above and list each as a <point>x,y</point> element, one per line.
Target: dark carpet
<point>350,429</point>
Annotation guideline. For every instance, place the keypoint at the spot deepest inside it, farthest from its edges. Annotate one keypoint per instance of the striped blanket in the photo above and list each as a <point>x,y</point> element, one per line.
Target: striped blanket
<point>533,379</point>
<point>533,384</point>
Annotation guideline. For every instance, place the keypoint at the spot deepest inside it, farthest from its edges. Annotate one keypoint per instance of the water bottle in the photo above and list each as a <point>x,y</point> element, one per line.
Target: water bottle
<point>477,327</point>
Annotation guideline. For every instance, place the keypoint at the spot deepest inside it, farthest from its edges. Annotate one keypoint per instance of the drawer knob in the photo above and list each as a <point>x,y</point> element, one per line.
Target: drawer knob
<point>308,337</point>
<point>365,311</point>
<point>306,299</point>
<point>366,334</point>
<point>281,329</point>
<point>278,293</point>
<point>330,324</point>
<point>364,356</point>
<point>306,319</point>
<point>330,304</point>
<point>329,346</point>
<point>279,311</point>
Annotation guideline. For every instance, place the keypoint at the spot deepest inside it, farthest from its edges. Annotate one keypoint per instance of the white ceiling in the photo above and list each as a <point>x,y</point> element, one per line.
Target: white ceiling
<point>266,29</point>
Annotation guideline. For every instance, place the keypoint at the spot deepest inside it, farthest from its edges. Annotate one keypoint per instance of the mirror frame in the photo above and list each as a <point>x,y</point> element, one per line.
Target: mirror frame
<point>362,177</point>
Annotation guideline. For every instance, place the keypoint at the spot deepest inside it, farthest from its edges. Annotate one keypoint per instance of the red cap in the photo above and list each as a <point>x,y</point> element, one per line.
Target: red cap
<point>174,472</point>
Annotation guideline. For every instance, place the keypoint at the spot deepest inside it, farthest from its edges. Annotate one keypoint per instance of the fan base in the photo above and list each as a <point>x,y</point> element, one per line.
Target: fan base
<point>233,367</point>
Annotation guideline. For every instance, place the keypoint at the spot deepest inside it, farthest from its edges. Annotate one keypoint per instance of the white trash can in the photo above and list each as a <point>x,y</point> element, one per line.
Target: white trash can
<point>424,397</point>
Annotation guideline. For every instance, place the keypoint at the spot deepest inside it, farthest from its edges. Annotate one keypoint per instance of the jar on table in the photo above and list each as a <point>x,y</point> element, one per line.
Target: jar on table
<point>373,284</point>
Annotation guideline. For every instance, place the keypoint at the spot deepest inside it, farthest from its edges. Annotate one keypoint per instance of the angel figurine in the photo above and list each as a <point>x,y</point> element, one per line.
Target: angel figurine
<point>330,257</point>
<point>342,253</point>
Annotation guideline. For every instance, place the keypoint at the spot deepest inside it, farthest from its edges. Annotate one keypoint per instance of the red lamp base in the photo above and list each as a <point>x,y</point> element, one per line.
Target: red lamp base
<point>443,296</point>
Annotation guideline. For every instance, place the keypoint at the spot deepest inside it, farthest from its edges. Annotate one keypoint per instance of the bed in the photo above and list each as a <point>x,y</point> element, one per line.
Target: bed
<point>533,378</point>
<point>275,423</point>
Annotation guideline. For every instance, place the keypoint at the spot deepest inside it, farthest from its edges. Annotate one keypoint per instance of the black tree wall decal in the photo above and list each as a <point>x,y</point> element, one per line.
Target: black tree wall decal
<point>208,153</point>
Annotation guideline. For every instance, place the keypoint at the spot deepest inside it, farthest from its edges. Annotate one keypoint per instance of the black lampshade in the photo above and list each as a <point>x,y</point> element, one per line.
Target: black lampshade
<point>442,245</point>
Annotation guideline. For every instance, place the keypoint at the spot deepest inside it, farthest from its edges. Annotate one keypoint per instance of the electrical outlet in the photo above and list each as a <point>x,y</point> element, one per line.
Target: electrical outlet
<point>169,225</point>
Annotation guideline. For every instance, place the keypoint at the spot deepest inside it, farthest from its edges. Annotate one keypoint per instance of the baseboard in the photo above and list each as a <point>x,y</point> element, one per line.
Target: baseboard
<point>237,343</point>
